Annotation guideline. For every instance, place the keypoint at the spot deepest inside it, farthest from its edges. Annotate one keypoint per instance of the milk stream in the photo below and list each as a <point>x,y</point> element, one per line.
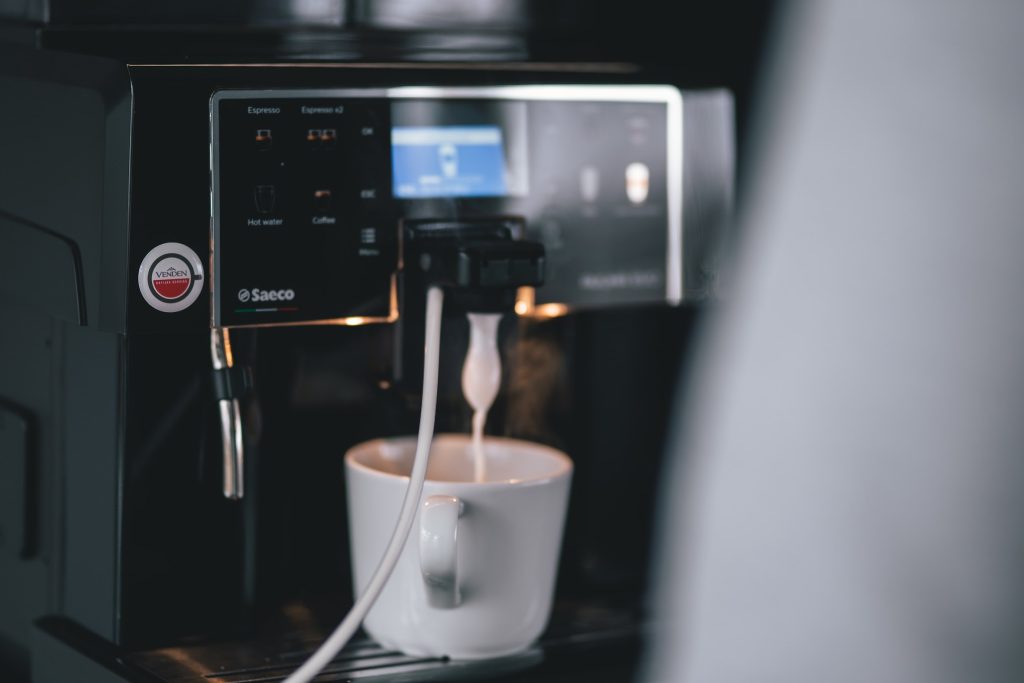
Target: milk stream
<point>481,378</point>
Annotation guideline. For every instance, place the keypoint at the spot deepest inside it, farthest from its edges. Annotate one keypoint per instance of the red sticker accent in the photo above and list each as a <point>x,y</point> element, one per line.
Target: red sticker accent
<point>171,288</point>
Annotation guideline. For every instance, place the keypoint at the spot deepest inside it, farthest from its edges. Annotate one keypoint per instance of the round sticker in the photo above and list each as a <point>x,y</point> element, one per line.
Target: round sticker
<point>171,277</point>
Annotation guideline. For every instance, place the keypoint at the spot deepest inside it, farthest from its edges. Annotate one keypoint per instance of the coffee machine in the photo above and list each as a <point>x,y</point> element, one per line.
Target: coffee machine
<point>210,294</point>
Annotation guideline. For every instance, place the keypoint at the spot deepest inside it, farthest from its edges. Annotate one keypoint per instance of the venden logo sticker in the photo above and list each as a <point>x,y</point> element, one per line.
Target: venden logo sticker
<point>171,277</point>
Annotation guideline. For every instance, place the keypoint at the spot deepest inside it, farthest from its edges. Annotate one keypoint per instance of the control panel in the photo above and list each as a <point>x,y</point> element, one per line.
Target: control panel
<point>310,190</point>
<point>302,226</point>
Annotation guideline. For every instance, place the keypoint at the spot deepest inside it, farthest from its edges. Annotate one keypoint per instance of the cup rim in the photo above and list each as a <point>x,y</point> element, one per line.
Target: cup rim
<point>565,463</point>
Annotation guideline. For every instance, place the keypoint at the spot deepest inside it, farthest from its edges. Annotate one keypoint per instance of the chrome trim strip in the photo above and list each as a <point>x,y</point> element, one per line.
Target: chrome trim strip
<point>570,93</point>
<point>674,178</point>
<point>617,68</point>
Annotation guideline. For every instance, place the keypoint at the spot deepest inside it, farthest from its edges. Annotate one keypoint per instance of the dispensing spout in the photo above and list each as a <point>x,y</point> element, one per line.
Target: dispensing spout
<point>480,262</point>
<point>483,262</point>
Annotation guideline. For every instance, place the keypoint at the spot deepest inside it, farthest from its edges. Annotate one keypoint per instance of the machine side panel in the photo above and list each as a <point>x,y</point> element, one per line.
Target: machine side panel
<point>709,160</point>
<point>46,276</point>
<point>182,540</point>
<point>64,170</point>
<point>29,411</point>
<point>64,204</point>
<point>92,407</point>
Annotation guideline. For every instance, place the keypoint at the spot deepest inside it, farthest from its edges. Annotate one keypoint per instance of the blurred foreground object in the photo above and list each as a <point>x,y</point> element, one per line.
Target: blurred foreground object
<point>848,507</point>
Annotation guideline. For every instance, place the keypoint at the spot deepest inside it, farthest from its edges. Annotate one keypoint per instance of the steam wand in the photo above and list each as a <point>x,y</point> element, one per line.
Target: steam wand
<point>230,383</point>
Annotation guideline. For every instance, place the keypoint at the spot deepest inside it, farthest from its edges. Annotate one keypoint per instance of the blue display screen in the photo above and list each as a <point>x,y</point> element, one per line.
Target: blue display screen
<point>448,161</point>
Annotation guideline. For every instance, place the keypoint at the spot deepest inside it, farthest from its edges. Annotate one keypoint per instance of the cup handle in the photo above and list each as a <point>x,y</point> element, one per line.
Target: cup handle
<point>439,530</point>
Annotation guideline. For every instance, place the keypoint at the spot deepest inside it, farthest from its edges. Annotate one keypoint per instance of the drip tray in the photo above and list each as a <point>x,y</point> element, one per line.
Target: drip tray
<point>583,645</point>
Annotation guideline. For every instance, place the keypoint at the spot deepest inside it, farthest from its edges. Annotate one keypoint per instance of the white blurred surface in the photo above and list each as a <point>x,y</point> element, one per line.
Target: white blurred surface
<point>848,498</point>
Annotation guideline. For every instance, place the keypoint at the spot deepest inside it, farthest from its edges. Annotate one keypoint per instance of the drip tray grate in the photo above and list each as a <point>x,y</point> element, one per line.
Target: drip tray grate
<point>369,661</point>
<point>574,649</point>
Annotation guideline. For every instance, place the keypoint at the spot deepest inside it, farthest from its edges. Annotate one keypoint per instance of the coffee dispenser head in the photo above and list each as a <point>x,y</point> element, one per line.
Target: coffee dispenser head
<point>481,261</point>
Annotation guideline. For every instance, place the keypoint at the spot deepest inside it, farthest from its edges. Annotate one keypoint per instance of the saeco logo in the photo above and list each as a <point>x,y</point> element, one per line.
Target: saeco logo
<point>263,295</point>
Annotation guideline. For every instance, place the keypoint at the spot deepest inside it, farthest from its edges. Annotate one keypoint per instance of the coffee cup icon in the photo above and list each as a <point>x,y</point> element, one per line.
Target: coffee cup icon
<point>638,182</point>
<point>448,156</point>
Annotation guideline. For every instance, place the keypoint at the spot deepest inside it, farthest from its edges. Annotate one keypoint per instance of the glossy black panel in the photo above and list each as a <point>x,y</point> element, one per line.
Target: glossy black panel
<point>181,541</point>
<point>303,228</point>
<point>309,187</point>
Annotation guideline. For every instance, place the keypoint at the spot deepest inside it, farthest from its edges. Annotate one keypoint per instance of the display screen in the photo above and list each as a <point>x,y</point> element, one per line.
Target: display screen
<point>448,161</point>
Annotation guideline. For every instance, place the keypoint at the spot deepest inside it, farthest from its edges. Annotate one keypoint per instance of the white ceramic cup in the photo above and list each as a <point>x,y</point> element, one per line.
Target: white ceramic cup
<point>477,575</point>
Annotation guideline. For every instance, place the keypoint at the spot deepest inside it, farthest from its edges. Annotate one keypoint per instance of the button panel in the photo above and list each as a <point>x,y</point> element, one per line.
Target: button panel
<point>296,189</point>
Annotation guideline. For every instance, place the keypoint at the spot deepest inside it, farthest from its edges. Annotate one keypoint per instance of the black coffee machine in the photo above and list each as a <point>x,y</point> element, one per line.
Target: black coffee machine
<point>208,297</point>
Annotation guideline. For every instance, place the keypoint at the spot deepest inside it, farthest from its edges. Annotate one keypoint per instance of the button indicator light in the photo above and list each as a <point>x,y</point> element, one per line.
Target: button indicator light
<point>322,200</point>
<point>264,139</point>
<point>322,138</point>
<point>638,182</point>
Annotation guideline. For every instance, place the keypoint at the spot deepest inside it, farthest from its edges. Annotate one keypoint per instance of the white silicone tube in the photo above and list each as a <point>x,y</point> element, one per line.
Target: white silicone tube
<point>348,626</point>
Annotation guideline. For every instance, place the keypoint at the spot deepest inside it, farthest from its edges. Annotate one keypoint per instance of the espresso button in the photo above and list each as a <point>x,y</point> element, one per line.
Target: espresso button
<point>264,139</point>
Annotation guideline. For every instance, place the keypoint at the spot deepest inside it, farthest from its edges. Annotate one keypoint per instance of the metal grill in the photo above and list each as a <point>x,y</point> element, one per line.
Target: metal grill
<point>260,662</point>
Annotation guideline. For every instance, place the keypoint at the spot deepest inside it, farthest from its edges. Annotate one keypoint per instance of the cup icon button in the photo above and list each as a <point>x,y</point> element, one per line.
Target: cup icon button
<point>638,182</point>
<point>264,139</point>
<point>322,200</point>
<point>590,183</point>
<point>266,198</point>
